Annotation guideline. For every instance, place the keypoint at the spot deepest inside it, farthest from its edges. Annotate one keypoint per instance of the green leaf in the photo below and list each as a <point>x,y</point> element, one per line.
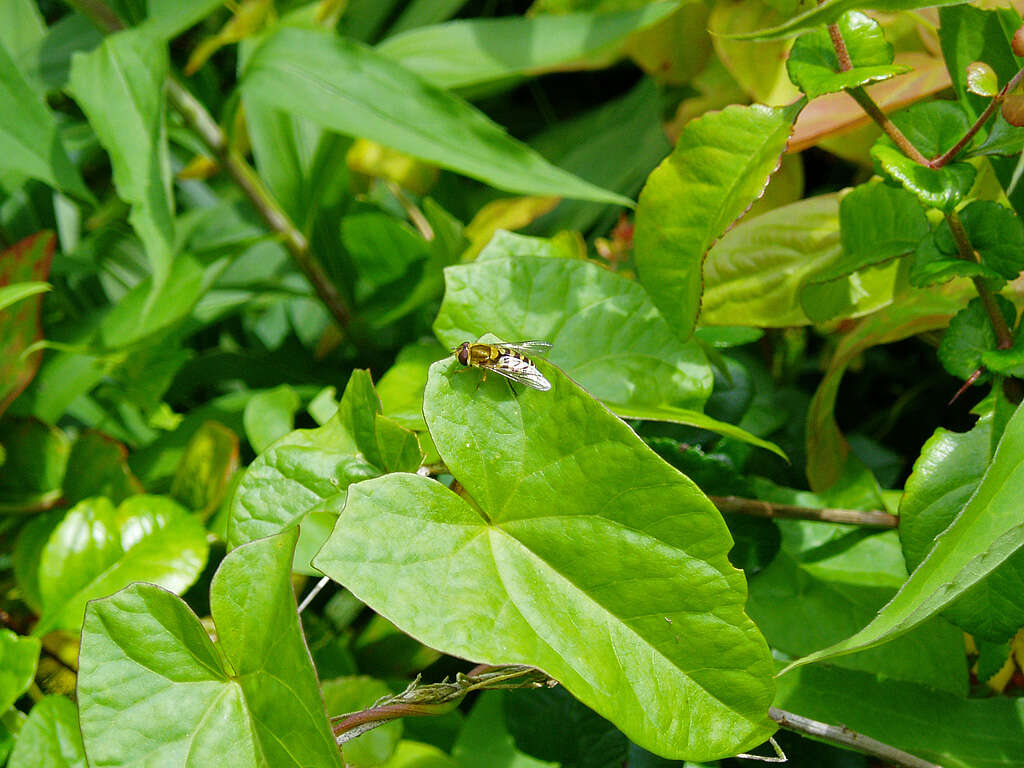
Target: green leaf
<point>50,737</point>
<point>814,66</point>
<point>414,754</point>
<point>351,694</point>
<point>877,222</point>
<point>827,582</point>
<point>721,164</point>
<point>12,294</point>
<point>933,127</point>
<point>945,476</point>
<point>830,11</point>
<point>303,476</point>
<point>970,335</point>
<point>401,388</point>
<point>760,273</point>
<point>605,332</point>
<point>98,549</point>
<point>982,79</point>
<point>206,468</point>
<point>961,732</point>
<point>540,569</point>
<point>270,415</point>
<point>421,13</point>
<point>33,472</point>
<point>120,87</point>
<point>349,88</point>
<point>485,741</point>
<point>988,530</point>
<point>1002,139</point>
<point>251,699</point>
<point>30,143</point>
<point>23,267</point>
<point>98,466</point>
<point>474,51</point>
<point>168,18</point>
<point>18,657</point>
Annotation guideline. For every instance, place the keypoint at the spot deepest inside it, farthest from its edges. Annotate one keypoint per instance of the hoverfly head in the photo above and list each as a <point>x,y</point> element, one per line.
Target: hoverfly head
<point>462,353</point>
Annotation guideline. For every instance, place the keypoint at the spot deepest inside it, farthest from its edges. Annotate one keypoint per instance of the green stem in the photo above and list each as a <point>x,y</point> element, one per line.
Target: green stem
<point>1004,337</point>
<point>758,508</point>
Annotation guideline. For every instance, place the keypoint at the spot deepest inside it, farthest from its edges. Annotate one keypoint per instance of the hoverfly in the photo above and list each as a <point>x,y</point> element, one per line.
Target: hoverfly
<point>508,360</point>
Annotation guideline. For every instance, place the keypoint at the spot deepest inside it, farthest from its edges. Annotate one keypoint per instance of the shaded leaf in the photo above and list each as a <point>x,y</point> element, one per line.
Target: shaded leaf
<point>525,535</point>
<point>270,415</point>
<point>32,474</point>
<point>206,468</point>
<point>98,466</point>
<point>50,737</point>
<point>346,87</point>
<point>970,335</point>
<point>18,657</point>
<point>721,164</point>
<point>351,694</point>
<point>252,699</point>
<point>485,741</point>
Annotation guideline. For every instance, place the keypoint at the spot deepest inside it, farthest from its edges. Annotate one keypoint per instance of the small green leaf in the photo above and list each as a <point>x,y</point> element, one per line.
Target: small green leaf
<point>24,264</point>
<point>401,387</point>
<point>540,569</point>
<point>475,51</point>
<point>97,550</point>
<point>30,142</point>
<point>1002,139</point>
<point>945,476</point>
<point>98,466</point>
<point>18,657</point>
<point>351,694</point>
<point>50,737</point>
<point>485,741</point>
<point>605,332</point>
<point>120,87</point>
<point>970,335</point>
<point>982,79</point>
<point>206,468</point>
<point>996,235</point>
<point>349,88</point>
<point>877,222</point>
<point>252,699</point>
<point>270,415</point>
<point>988,530</point>
<point>33,472</point>
<point>721,164</point>
<point>932,127</point>
<point>814,66</point>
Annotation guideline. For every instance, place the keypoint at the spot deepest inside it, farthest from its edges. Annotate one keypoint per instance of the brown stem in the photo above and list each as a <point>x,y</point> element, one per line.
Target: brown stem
<point>758,508</point>
<point>840,734</point>
<point>888,126</point>
<point>998,99</point>
<point>1004,337</point>
<point>842,53</point>
<point>199,120</point>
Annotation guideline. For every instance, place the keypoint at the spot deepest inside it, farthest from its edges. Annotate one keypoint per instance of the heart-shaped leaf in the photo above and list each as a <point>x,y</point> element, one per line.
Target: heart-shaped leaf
<point>572,548</point>
<point>154,689</point>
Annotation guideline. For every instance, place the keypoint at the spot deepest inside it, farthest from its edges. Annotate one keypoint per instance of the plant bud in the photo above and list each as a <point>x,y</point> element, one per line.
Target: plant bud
<point>1018,42</point>
<point>1013,109</point>
<point>981,79</point>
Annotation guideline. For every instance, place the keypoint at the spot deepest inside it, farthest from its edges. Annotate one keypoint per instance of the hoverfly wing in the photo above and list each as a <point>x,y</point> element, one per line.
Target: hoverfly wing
<point>535,348</point>
<point>521,371</point>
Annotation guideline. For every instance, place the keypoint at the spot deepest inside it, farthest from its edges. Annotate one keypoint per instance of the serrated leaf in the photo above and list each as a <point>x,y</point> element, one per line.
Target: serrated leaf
<point>50,737</point>
<point>26,263</point>
<point>814,66</point>
<point>153,687</point>
<point>945,476</point>
<point>932,127</point>
<point>997,240</point>
<point>97,550</point>
<point>604,331</point>
<point>523,581</point>
<point>120,87</point>
<point>476,51</point>
<point>342,85</point>
<point>18,657</point>
<point>988,530</point>
<point>30,143</point>
<point>970,335</point>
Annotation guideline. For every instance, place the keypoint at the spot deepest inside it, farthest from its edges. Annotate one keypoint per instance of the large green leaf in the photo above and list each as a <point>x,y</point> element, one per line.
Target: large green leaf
<point>952,731</point>
<point>30,143</point>
<point>988,530</point>
<point>573,548</point>
<point>153,688</point>
<point>18,657</point>
<point>604,329</point>
<point>98,550</point>
<point>475,51</point>
<point>814,65</point>
<point>120,87</point>
<point>349,88</point>
<point>721,164</point>
<point>26,263</point>
<point>303,476</point>
<point>945,476</point>
<point>50,737</point>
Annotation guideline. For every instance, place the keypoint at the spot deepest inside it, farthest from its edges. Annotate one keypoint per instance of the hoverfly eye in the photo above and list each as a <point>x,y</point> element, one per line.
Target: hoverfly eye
<point>463,355</point>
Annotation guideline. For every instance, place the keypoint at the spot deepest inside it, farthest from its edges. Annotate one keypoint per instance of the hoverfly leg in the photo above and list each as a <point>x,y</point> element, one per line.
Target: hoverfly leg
<point>514,393</point>
<point>482,379</point>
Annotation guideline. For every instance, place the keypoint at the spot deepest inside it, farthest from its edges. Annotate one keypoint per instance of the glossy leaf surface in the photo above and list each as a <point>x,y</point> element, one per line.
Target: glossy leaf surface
<point>721,164</point>
<point>658,614</point>
<point>154,687</point>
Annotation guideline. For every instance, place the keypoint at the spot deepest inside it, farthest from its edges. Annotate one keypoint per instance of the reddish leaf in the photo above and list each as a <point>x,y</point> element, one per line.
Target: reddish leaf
<point>24,261</point>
